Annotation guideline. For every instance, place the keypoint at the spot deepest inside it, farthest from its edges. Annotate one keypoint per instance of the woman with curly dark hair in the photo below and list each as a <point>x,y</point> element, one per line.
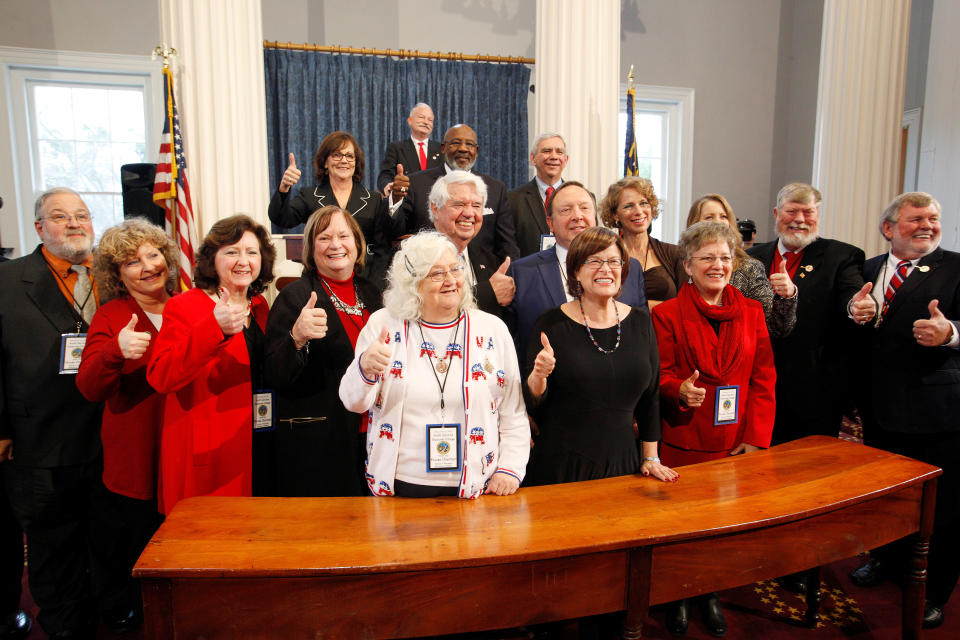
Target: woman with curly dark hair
<point>207,359</point>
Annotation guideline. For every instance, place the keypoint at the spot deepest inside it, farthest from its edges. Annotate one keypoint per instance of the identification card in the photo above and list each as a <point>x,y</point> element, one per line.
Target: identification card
<point>263,411</point>
<point>443,447</point>
<point>71,349</point>
<point>547,241</point>
<point>728,405</point>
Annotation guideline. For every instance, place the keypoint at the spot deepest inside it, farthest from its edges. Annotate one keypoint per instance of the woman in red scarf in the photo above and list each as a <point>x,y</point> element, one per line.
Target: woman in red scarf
<point>716,372</point>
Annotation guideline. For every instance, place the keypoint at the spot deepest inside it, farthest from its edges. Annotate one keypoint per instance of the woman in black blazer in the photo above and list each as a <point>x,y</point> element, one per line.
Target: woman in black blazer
<point>338,168</point>
<point>311,334</point>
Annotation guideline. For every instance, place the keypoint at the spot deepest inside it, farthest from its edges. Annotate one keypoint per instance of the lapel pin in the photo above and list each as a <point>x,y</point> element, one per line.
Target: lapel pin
<point>808,268</point>
<point>923,268</point>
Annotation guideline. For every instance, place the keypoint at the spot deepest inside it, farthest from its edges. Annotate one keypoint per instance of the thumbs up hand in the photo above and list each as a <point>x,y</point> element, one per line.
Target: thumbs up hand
<point>230,317</point>
<point>311,324</point>
<point>376,358</point>
<point>690,394</point>
<point>863,308</point>
<point>542,367</point>
<point>935,332</point>
<point>133,343</point>
<point>400,185</point>
<point>502,284</point>
<point>782,284</point>
<point>291,176</point>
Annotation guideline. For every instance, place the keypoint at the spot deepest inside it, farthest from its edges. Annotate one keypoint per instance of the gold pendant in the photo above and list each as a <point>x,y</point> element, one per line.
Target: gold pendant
<point>441,366</point>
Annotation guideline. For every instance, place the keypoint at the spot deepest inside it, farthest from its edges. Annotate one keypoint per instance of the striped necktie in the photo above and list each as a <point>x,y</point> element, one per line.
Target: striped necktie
<point>546,199</point>
<point>895,282</point>
<point>83,293</point>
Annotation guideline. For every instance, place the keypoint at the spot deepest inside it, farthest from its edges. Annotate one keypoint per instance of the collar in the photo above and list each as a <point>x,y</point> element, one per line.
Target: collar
<point>425,141</point>
<point>542,186</point>
<point>62,266</point>
<point>893,260</point>
<point>561,255</point>
<point>782,248</point>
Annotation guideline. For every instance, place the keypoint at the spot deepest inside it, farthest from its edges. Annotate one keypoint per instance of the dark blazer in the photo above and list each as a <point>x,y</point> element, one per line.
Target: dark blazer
<point>484,264</point>
<point>405,153</point>
<point>50,421</point>
<point>497,233</point>
<point>814,360</point>
<point>913,389</point>
<point>531,218</point>
<point>319,457</point>
<point>540,287</point>
<point>366,207</point>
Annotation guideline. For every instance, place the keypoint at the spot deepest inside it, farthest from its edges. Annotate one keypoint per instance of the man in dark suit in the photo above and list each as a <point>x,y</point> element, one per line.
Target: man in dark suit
<point>549,155</point>
<point>813,360</point>
<point>911,366</point>
<point>456,208</point>
<point>416,153</point>
<point>49,433</point>
<point>459,151</point>
<point>541,278</point>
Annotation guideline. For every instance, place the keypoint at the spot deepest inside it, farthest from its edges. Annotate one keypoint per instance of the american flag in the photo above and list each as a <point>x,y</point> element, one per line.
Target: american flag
<point>630,167</point>
<point>170,188</point>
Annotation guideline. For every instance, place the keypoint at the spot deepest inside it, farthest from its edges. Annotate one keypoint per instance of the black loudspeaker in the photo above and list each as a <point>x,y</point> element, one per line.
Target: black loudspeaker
<point>136,180</point>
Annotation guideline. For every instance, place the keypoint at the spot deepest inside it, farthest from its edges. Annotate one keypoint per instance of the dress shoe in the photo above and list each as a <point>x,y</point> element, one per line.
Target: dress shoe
<point>121,619</point>
<point>794,583</point>
<point>932,615</point>
<point>678,617</point>
<point>712,614</point>
<point>15,625</point>
<point>870,574</point>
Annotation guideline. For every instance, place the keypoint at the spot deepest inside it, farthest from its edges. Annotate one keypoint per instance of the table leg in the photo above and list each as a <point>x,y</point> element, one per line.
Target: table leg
<point>914,589</point>
<point>638,593</point>
<point>813,596</point>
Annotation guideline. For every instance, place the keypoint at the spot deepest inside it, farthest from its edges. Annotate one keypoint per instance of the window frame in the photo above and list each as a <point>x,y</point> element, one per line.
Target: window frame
<point>677,104</point>
<point>18,67</point>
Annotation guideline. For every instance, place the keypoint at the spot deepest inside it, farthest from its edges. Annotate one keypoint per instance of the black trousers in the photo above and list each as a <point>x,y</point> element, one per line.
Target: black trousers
<point>941,450</point>
<point>11,557</point>
<point>53,505</point>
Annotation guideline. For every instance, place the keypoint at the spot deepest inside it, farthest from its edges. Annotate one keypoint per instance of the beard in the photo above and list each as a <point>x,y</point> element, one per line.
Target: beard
<point>795,241</point>
<point>69,247</point>
<point>451,162</point>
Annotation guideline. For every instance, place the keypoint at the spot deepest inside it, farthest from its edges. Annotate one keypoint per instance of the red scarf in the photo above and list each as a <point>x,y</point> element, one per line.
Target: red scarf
<point>715,356</point>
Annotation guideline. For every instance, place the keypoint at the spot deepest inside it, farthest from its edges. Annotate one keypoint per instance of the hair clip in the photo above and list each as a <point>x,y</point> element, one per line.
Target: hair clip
<point>409,264</point>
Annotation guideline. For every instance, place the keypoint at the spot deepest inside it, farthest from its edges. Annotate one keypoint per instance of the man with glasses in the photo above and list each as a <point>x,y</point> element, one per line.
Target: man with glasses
<point>541,278</point>
<point>416,153</point>
<point>460,151</point>
<point>456,209</point>
<point>49,433</point>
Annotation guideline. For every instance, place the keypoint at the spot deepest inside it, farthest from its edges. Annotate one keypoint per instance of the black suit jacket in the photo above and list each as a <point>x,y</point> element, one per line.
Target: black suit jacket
<point>50,421</point>
<point>497,233</point>
<point>530,217</point>
<point>405,153</point>
<point>913,389</point>
<point>484,264</point>
<point>319,458</point>
<point>814,361</point>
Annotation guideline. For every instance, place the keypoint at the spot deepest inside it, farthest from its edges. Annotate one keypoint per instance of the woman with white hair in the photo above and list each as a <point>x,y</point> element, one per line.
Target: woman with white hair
<point>441,383</point>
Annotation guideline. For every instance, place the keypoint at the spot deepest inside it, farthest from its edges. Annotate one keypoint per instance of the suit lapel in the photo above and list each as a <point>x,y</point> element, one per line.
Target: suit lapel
<point>42,289</point>
<point>536,206</point>
<point>808,271</point>
<point>764,253</point>
<point>411,157</point>
<point>358,199</point>
<point>552,282</point>
<point>915,279</point>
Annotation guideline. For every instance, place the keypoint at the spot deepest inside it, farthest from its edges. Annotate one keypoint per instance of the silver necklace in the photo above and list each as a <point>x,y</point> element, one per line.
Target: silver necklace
<point>340,305</point>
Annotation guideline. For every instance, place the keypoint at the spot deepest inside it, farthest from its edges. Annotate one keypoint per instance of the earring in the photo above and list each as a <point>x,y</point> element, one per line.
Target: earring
<point>689,279</point>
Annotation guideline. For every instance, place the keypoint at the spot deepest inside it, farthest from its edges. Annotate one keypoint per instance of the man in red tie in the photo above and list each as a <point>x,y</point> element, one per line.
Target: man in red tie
<point>548,155</point>
<point>415,153</point>
<point>910,369</point>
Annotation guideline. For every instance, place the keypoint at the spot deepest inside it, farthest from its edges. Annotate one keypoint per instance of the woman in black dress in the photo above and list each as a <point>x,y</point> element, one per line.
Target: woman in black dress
<point>592,370</point>
<point>311,334</point>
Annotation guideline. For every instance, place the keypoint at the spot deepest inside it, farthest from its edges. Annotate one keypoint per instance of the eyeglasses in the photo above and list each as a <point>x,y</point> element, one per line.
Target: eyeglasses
<point>709,260</point>
<point>469,144</point>
<point>596,263</point>
<point>337,156</point>
<point>440,275</point>
<point>62,218</point>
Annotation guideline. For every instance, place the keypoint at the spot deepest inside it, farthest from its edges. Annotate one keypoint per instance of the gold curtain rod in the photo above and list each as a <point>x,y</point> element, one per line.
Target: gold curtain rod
<point>398,53</point>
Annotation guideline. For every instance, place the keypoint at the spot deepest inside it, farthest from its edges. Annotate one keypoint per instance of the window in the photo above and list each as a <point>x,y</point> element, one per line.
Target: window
<point>663,125</point>
<point>76,119</point>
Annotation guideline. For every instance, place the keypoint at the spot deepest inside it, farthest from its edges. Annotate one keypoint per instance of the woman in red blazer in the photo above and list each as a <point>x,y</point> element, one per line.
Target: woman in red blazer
<point>716,372</point>
<point>136,272</point>
<point>207,359</point>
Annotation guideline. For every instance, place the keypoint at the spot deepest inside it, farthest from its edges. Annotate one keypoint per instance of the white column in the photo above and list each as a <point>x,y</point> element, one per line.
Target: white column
<point>577,85</point>
<point>218,78</point>
<point>863,61</point>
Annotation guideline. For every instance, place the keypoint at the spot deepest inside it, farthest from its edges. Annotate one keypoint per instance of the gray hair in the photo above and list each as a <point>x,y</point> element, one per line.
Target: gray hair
<point>798,192</point>
<point>42,199</point>
<point>440,192</point>
<point>419,105</point>
<point>544,136</point>
<point>919,199</point>
<point>411,264</point>
<point>701,233</point>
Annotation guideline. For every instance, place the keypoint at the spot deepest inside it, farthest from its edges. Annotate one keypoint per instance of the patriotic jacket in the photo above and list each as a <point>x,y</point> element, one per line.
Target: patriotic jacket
<point>495,433</point>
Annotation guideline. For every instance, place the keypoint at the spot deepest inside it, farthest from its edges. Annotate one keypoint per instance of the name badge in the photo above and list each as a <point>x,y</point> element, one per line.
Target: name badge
<point>728,406</point>
<point>547,241</point>
<point>263,411</point>
<point>443,447</point>
<point>71,349</point>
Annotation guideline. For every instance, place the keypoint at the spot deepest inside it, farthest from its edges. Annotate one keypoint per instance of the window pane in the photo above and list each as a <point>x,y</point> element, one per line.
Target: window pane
<point>103,207</point>
<point>94,168</point>
<point>649,127</point>
<point>54,109</point>
<point>56,163</point>
<point>126,115</point>
<point>91,113</point>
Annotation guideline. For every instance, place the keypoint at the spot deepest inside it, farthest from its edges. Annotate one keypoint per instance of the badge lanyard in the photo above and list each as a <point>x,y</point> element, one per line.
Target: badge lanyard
<point>76,307</point>
<point>446,374</point>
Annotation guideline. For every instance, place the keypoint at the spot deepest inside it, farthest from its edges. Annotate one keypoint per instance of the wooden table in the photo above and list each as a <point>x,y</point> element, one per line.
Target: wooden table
<point>393,567</point>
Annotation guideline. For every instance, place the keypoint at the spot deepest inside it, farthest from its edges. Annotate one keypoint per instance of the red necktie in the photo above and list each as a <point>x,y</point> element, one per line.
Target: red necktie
<point>895,282</point>
<point>423,157</point>
<point>792,258</point>
<point>546,200</point>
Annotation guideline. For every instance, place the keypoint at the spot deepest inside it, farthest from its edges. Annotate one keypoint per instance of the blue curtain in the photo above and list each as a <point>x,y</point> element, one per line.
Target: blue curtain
<point>310,94</point>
